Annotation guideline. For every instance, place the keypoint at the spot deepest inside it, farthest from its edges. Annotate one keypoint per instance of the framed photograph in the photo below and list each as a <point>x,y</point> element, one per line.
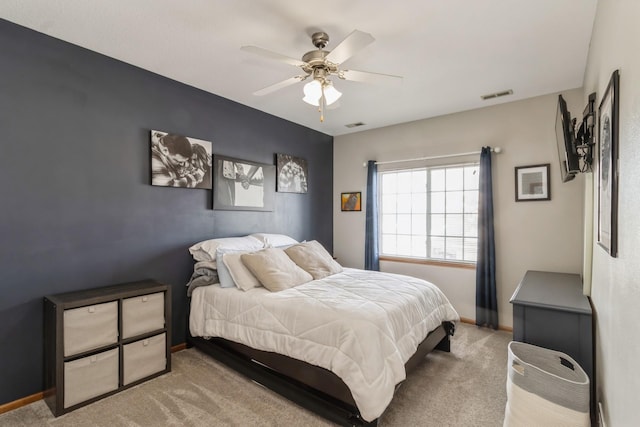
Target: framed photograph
<point>180,161</point>
<point>533,183</point>
<point>350,202</point>
<point>243,185</point>
<point>608,167</point>
<point>292,174</point>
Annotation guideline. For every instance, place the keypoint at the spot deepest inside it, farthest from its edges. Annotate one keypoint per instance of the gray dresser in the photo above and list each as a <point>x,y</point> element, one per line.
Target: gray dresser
<point>550,311</point>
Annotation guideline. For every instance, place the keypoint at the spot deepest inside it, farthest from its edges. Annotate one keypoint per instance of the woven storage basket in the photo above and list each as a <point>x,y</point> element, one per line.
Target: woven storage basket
<point>545,388</point>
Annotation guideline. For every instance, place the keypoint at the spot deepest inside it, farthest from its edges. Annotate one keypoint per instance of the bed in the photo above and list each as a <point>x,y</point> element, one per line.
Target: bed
<point>338,343</point>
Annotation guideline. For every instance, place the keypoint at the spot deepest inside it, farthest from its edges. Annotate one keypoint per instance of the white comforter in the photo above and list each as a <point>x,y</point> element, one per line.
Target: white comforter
<point>361,325</point>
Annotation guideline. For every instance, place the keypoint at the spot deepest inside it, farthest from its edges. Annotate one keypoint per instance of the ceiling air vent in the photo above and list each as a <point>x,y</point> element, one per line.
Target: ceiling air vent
<point>355,125</point>
<point>497,94</point>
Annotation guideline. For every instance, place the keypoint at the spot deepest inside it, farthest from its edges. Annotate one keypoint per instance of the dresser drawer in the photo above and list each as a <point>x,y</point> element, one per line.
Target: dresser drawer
<point>142,314</point>
<point>90,377</point>
<point>145,357</point>
<point>90,327</point>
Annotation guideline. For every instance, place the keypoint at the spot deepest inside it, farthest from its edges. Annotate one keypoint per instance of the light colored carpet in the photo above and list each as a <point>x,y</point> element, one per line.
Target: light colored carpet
<point>463,388</point>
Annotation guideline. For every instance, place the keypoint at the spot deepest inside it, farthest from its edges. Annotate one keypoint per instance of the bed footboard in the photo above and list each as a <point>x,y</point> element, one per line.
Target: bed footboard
<point>316,389</point>
<point>312,399</point>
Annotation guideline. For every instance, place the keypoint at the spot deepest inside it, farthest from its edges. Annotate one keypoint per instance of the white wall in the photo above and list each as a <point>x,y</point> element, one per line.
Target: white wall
<point>541,235</point>
<point>616,281</point>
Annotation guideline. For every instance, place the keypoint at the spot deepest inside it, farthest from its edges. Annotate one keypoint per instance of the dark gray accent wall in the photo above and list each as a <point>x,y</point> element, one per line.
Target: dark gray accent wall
<point>78,211</point>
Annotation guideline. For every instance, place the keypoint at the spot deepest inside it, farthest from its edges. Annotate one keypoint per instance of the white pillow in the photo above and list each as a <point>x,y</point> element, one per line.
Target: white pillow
<point>240,274</point>
<point>206,250</point>
<point>274,269</point>
<point>274,240</point>
<point>313,258</point>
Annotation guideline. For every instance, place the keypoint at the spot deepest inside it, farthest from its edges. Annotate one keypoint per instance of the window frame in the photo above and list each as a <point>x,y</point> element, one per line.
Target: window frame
<point>465,264</point>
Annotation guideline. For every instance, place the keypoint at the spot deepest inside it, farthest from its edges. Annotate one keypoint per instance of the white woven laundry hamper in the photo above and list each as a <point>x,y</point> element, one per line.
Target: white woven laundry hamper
<point>545,388</point>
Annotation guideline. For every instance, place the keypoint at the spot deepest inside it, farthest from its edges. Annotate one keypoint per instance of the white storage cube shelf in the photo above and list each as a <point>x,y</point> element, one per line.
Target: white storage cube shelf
<point>100,341</point>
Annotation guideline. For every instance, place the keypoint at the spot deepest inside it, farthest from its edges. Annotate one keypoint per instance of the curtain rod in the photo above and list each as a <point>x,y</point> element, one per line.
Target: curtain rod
<point>496,150</point>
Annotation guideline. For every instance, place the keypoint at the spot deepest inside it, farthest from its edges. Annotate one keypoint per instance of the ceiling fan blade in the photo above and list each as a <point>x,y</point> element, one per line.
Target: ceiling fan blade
<point>273,55</point>
<point>280,85</point>
<point>367,77</point>
<point>349,46</point>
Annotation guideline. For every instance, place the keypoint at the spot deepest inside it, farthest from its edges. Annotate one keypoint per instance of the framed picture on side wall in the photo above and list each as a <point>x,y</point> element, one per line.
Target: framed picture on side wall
<point>608,167</point>
<point>533,183</point>
<point>351,202</point>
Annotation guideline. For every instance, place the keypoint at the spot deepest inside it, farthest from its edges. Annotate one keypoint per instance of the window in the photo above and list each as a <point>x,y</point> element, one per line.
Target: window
<point>430,213</point>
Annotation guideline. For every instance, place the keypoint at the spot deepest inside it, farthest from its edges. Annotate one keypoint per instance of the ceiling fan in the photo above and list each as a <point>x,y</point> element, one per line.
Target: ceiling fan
<point>321,64</point>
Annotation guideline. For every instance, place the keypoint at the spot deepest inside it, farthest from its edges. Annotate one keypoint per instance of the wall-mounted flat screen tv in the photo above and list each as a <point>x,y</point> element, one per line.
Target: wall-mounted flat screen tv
<point>565,138</point>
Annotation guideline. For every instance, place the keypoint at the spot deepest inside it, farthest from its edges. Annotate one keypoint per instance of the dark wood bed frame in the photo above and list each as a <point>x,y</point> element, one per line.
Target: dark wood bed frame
<point>314,388</point>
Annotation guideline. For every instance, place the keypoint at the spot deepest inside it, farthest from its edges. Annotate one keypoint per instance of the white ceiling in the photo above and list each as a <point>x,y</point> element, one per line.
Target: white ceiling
<point>449,52</point>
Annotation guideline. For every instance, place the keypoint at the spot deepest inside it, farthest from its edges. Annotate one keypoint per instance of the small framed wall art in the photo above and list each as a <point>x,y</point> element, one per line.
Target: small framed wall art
<point>533,183</point>
<point>351,202</point>
<point>180,161</point>
<point>243,185</point>
<point>292,174</point>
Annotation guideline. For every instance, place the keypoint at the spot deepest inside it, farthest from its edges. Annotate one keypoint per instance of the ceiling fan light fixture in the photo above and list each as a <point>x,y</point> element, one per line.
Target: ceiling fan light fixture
<point>331,94</point>
<point>316,89</point>
<point>312,92</point>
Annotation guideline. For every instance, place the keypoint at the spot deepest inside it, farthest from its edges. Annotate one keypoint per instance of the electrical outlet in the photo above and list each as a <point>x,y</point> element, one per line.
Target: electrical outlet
<point>601,415</point>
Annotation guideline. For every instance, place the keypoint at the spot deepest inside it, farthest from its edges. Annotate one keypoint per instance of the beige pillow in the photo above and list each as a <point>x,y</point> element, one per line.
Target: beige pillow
<point>313,258</point>
<point>240,274</point>
<point>275,270</point>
